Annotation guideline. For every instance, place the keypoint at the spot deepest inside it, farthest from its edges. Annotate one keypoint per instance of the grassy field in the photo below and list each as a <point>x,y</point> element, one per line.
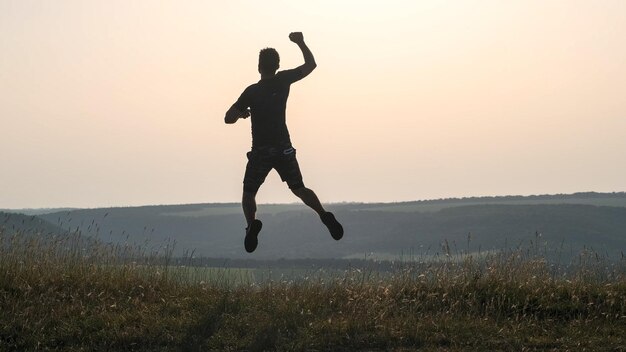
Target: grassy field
<point>56,295</point>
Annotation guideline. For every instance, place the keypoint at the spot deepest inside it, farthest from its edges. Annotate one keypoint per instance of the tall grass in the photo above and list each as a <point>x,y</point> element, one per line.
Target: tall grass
<point>74,293</point>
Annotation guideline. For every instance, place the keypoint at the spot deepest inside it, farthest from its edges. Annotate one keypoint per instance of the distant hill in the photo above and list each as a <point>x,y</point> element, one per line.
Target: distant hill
<point>35,211</point>
<point>561,223</point>
<point>616,199</point>
<point>11,223</point>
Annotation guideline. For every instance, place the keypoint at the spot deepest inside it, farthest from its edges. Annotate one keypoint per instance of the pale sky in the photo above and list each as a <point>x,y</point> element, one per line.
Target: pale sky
<point>114,103</point>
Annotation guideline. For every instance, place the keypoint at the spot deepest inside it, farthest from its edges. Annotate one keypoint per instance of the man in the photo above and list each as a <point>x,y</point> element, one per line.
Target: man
<point>271,145</point>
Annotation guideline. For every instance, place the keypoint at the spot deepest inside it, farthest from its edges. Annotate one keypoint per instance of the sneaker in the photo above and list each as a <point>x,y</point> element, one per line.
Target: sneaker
<point>335,228</point>
<point>252,231</point>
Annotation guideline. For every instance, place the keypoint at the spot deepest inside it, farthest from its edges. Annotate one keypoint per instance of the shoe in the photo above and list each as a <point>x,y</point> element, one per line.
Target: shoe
<point>335,228</point>
<point>252,231</point>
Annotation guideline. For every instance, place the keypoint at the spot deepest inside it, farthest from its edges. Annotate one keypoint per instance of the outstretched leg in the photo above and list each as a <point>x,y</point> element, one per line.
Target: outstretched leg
<point>310,198</point>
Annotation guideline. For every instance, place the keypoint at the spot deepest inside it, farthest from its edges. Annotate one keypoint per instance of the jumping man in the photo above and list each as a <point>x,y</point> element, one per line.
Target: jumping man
<point>271,145</point>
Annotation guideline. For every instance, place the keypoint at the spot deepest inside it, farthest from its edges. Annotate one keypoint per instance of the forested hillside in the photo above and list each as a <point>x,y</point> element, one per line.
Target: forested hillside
<point>562,224</point>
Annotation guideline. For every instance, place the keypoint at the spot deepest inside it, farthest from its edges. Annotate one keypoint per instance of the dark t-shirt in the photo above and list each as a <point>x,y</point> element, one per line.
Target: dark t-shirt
<point>267,100</point>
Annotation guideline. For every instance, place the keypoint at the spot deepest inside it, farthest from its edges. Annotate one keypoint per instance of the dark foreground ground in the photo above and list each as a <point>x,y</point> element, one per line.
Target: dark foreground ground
<point>55,298</point>
<point>73,316</point>
<point>70,313</point>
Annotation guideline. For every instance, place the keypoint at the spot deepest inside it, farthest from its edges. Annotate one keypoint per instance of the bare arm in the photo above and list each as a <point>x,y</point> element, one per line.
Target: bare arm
<point>309,61</point>
<point>233,114</point>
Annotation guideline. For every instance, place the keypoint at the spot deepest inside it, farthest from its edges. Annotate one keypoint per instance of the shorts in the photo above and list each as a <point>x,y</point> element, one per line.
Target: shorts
<point>261,160</point>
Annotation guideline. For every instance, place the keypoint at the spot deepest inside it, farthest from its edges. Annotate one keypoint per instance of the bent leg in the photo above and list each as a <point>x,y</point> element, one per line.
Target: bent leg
<point>289,171</point>
<point>309,198</point>
<point>248,203</point>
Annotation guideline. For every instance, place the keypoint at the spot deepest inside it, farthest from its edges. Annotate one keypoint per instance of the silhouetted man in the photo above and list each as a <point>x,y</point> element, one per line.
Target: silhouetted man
<point>271,145</point>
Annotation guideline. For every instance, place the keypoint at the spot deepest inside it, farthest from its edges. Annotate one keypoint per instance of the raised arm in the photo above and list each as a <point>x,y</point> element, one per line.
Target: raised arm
<point>309,61</point>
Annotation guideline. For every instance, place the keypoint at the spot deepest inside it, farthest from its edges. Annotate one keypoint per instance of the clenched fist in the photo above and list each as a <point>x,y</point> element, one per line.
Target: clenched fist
<point>296,37</point>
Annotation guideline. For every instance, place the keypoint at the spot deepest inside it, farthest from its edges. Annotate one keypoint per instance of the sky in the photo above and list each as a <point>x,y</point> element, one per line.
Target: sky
<point>117,103</point>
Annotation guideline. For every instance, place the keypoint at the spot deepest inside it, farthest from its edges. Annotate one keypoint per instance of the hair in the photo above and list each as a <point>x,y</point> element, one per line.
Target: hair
<point>269,61</point>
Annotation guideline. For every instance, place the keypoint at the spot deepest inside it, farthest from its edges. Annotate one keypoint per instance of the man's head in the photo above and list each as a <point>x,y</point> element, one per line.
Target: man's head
<point>269,61</point>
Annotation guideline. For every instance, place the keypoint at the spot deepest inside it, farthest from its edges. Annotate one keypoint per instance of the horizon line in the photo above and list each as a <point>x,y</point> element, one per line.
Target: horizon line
<point>237,203</point>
